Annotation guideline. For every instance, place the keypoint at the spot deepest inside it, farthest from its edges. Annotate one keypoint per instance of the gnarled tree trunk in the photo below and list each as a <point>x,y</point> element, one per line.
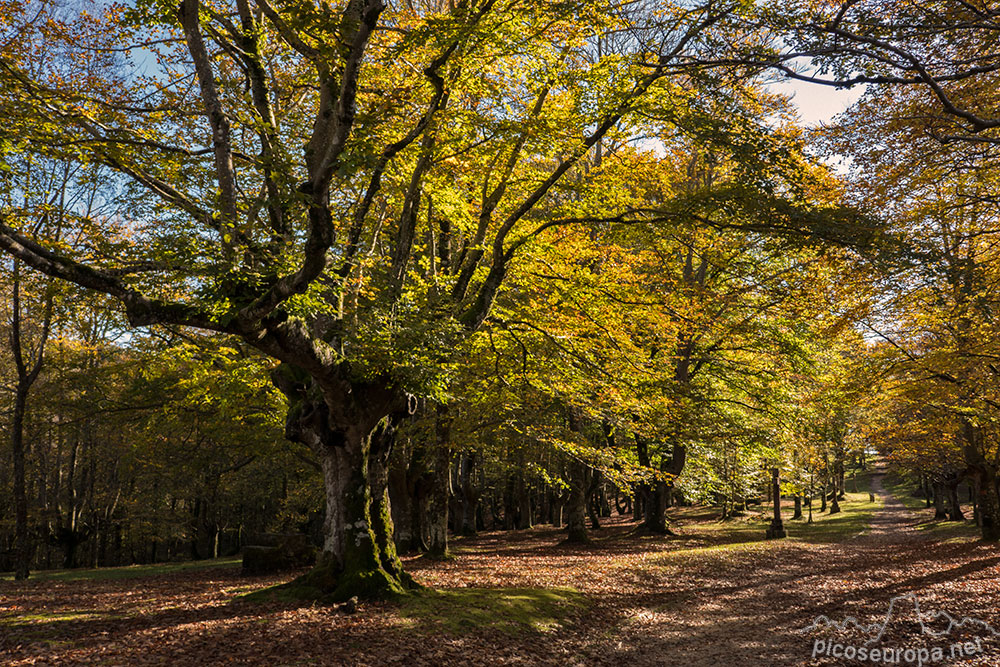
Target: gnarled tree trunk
<point>986,478</point>
<point>351,430</point>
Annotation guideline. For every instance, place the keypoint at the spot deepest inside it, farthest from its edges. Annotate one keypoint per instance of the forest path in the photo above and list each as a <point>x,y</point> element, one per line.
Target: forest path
<point>893,522</point>
<point>750,606</point>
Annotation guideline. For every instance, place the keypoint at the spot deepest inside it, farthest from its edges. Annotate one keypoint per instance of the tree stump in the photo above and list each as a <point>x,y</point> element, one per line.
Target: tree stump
<point>777,528</point>
<point>268,553</point>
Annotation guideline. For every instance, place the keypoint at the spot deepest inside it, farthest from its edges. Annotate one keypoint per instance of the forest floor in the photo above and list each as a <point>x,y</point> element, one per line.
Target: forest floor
<point>717,594</point>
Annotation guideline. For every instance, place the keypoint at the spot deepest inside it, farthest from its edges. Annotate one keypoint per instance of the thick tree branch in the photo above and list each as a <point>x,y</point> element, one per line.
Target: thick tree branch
<point>140,309</point>
<point>217,118</point>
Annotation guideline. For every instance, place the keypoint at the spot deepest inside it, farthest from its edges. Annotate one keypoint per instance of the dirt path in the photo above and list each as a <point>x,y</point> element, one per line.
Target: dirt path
<point>892,524</point>
<point>714,596</point>
<point>749,608</point>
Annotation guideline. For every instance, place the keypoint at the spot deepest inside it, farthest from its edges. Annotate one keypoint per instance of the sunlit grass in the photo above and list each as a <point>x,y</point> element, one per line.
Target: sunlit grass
<point>512,611</point>
<point>21,620</point>
<point>128,572</point>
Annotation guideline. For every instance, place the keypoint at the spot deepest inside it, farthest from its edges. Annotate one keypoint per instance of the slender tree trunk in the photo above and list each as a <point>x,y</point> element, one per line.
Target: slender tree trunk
<point>401,506</point>
<point>974,499</point>
<point>576,507</point>
<point>835,496</point>
<point>660,492</point>
<point>470,494</point>
<point>441,491</point>
<point>639,501</point>
<point>27,372</point>
<point>557,502</point>
<point>642,489</point>
<point>22,546</point>
<point>523,501</point>
<point>777,528</point>
<point>593,507</point>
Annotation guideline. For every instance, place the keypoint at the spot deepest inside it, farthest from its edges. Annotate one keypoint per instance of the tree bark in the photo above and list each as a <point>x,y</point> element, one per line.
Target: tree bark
<point>441,491</point>
<point>939,511</point>
<point>777,528</point>
<point>28,371</point>
<point>835,496</point>
<point>351,433</point>
<point>470,494</point>
<point>576,506</point>
<point>660,491</point>
<point>954,507</point>
<point>22,546</point>
<point>524,517</point>
<point>593,508</point>
<point>986,481</point>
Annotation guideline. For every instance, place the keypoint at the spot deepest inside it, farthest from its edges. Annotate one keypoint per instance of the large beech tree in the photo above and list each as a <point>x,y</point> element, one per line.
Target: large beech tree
<point>342,185</point>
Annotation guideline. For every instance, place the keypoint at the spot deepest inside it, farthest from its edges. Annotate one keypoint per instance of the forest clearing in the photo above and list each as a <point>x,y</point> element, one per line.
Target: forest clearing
<point>718,594</point>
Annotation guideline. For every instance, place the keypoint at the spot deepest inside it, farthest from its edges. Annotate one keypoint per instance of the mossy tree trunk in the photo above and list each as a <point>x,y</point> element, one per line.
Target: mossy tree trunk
<point>351,433</point>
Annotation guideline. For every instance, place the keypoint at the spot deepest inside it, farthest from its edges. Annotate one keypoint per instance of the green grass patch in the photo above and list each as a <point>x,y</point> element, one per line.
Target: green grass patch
<point>681,557</point>
<point>277,593</point>
<point>858,481</point>
<point>50,628</point>
<point>943,531</point>
<point>23,620</point>
<point>511,611</point>
<point>853,520</point>
<point>130,571</point>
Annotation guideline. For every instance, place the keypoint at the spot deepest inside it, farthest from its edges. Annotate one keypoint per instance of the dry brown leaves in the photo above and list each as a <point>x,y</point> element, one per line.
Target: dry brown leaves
<point>651,602</point>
